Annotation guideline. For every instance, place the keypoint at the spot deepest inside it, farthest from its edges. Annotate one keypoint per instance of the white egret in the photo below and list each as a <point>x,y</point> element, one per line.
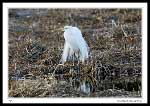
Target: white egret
<point>74,44</point>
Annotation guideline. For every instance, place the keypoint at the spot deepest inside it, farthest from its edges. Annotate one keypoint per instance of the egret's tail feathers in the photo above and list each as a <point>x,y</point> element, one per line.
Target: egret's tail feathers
<point>65,53</point>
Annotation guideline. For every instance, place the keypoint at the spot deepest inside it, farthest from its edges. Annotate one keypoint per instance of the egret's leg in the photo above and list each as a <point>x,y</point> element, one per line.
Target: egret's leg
<point>73,58</point>
<point>78,63</point>
<point>71,73</point>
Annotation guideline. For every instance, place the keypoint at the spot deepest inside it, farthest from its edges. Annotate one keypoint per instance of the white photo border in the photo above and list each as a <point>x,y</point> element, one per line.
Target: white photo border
<point>142,6</point>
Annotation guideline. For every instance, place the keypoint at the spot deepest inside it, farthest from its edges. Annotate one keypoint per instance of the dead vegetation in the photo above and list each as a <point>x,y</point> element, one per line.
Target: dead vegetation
<point>36,44</point>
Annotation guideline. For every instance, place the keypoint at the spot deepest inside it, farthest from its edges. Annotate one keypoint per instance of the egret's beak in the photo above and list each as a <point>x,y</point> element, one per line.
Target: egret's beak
<point>62,29</point>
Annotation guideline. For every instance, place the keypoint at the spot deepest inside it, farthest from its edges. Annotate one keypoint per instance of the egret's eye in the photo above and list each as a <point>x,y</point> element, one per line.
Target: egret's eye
<point>67,27</point>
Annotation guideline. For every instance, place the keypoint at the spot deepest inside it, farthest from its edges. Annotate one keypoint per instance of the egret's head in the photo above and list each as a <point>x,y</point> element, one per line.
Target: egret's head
<point>67,27</point>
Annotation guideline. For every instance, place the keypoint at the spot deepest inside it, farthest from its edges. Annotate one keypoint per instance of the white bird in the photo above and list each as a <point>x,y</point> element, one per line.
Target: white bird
<point>74,44</point>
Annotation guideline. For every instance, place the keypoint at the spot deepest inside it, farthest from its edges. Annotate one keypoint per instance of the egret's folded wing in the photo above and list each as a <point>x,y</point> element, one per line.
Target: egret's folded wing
<point>83,51</point>
<point>81,43</point>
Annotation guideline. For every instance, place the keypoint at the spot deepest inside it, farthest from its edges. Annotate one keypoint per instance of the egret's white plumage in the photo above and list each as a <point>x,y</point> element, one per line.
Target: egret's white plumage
<point>74,44</point>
